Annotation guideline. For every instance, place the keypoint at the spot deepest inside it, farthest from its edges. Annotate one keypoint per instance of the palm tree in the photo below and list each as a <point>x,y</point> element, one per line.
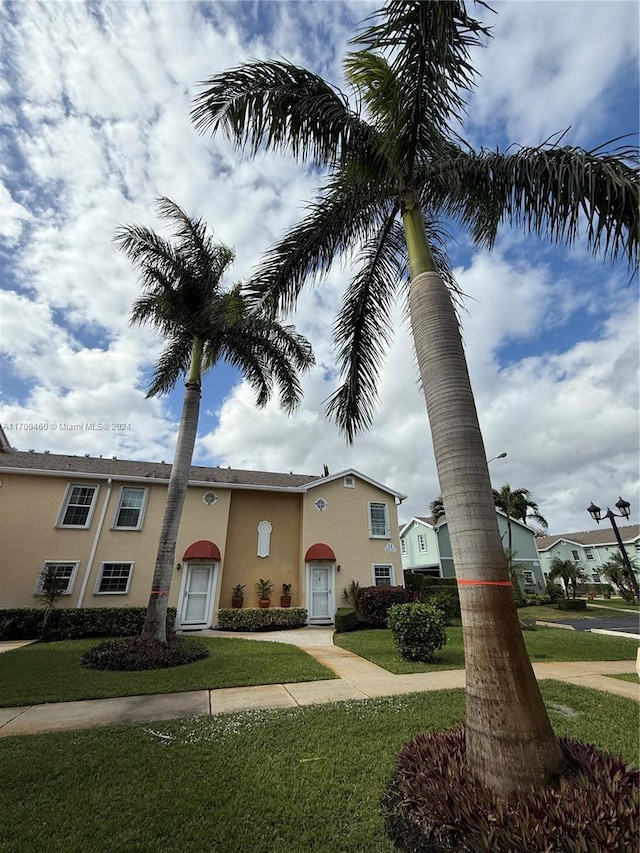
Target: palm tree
<point>616,571</point>
<point>570,572</point>
<point>518,504</point>
<point>395,171</point>
<point>436,508</point>
<point>203,324</point>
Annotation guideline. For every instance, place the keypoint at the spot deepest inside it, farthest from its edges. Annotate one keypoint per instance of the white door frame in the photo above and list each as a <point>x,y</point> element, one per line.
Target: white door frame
<point>331,580</point>
<point>213,580</point>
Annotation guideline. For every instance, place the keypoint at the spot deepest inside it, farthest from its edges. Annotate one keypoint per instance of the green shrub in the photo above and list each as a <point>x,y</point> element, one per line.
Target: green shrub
<point>345,620</point>
<point>571,604</point>
<point>440,591</point>
<point>374,603</point>
<point>555,592</point>
<point>76,624</point>
<point>418,582</point>
<point>435,803</point>
<point>418,630</point>
<point>261,619</point>
<point>131,654</point>
<point>535,600</point>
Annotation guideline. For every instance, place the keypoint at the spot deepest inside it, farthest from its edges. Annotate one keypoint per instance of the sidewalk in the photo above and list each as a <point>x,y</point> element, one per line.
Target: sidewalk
<point>357,679</point>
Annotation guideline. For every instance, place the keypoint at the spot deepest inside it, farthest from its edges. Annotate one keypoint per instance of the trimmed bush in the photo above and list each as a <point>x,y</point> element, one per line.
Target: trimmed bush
<point>535,600</point>
<point>261,619</point>
<point>441,591</point>
<point>555,592</point>
<point>76,624</point>
<point>374,603</point>
<point>436,804</point>
<point>345,620</point>
<point>418,629</point>
<point>131,654</point>
<point>571,604</point>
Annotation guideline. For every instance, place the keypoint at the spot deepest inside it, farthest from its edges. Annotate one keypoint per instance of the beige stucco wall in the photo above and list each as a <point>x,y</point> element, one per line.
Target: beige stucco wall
<point>242,565</point>
<point>29,509</point>
<point>344,526</point>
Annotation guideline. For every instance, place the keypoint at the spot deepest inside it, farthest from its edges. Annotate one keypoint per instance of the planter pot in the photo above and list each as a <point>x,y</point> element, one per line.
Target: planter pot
<point>285,601</point>
<point>264,602</point>
<point>237,602</point>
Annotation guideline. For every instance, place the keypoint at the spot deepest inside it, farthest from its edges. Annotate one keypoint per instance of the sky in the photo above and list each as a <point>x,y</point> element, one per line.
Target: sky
<point>94,126</point>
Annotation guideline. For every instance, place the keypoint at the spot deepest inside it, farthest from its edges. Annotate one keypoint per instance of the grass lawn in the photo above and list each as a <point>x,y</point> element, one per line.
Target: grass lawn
<point>51,672</point>
<point>616,604</point>
<point>627,676</point>
<point>544,644</point>
<point>295,780</point>
<point>549,613</point>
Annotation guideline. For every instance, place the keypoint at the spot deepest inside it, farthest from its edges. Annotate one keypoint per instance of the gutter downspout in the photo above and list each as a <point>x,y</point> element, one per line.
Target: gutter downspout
<point>94,544</point>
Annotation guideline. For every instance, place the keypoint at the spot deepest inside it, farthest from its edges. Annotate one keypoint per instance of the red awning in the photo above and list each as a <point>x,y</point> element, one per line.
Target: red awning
<point>319,551</point>
<point>202,550</point>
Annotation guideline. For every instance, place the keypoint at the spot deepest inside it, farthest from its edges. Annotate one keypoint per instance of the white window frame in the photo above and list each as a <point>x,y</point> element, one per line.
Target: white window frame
<point>67,502</point>
<point>526,574</point>
<point>588,553</point>
<point>595,577</point>
<point>74,571</point>
<point>349,482</point>
<point>387,526</point>
<point>637,547</point>
<point>100,578</point>
<point>421,539</point>
<point>575,556</point>
<point>264,538</point>
<point>403,547</point>
<point>141,513</point>
<point>389,566</point>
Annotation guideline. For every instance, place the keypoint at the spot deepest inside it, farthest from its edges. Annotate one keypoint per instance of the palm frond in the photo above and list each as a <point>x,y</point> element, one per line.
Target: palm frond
<point>348,214</point>
<point>362,329</point>
<point>429,46</point>
<point>551,191</point>
<point>278,106</point>
<point>172,365</point>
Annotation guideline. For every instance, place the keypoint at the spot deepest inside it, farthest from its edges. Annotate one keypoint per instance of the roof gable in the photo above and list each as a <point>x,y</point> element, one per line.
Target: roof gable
<point>352,471</point>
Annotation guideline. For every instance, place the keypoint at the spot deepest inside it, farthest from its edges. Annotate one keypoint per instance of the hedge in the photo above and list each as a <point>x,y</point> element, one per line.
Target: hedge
<point>374,603</point>
<point>75,624</point>
<point>345,620</point>
<point>572,604</point>
<point>261,618</point>
<point>440,591</point>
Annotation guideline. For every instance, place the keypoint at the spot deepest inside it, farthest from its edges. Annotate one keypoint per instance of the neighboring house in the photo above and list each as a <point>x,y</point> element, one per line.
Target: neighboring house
<point>425,547</point>
<point>97,520</point>
<point>590,548</point>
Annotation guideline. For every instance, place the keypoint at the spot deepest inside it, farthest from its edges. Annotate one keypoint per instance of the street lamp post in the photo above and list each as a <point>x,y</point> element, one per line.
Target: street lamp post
<point>624,508</point>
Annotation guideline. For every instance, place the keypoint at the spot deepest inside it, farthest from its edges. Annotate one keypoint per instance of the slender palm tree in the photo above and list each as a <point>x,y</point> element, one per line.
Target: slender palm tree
<point>395,172</point>
<point>518,504</point>
<point>570,572</point>
<point>615,570</point>
<point>203,324</point>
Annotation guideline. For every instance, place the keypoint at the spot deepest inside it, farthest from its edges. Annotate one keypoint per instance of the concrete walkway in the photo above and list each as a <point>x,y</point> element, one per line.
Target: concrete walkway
<point>357,679</point>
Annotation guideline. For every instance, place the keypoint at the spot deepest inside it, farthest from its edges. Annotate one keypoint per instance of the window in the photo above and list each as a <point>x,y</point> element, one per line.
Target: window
<point>78,505</point>
<point>383,575</point>
<point>575,556</point>
<point>378,521</point>
<point>403,546</point>
<point>637,547</point>
<point>63,572</point>
<point>114,578</point>
<point>422,543</point>
<point>264,538</point>
<point>595,577</point>
<point>130,509</point>
<point>349,482</point>
<point>528,578</point>
<point>588,552</point>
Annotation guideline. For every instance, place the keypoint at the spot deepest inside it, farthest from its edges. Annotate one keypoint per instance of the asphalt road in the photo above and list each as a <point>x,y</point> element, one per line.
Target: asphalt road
<point>628,625</point>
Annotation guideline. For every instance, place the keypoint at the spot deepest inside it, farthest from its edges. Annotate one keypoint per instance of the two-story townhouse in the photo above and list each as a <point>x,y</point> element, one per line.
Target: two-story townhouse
<point>97,521</point>
<point>426,547</point>
<point>590,548</point>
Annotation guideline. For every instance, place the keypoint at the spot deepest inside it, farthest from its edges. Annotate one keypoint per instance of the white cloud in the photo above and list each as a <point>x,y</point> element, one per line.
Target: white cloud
<point>97,99</point>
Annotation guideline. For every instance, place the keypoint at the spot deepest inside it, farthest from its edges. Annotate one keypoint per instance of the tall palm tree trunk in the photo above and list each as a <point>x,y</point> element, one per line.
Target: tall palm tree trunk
<point>155,625</point>
<point>511,743</point>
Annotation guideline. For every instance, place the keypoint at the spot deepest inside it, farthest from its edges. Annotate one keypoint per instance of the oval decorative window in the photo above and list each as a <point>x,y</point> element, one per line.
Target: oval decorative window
<point>321,504</point>
<point>209,498</point>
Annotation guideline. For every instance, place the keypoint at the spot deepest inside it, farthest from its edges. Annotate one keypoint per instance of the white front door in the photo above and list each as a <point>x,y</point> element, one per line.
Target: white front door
<point>321,597</point>
<point>197,593</point>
